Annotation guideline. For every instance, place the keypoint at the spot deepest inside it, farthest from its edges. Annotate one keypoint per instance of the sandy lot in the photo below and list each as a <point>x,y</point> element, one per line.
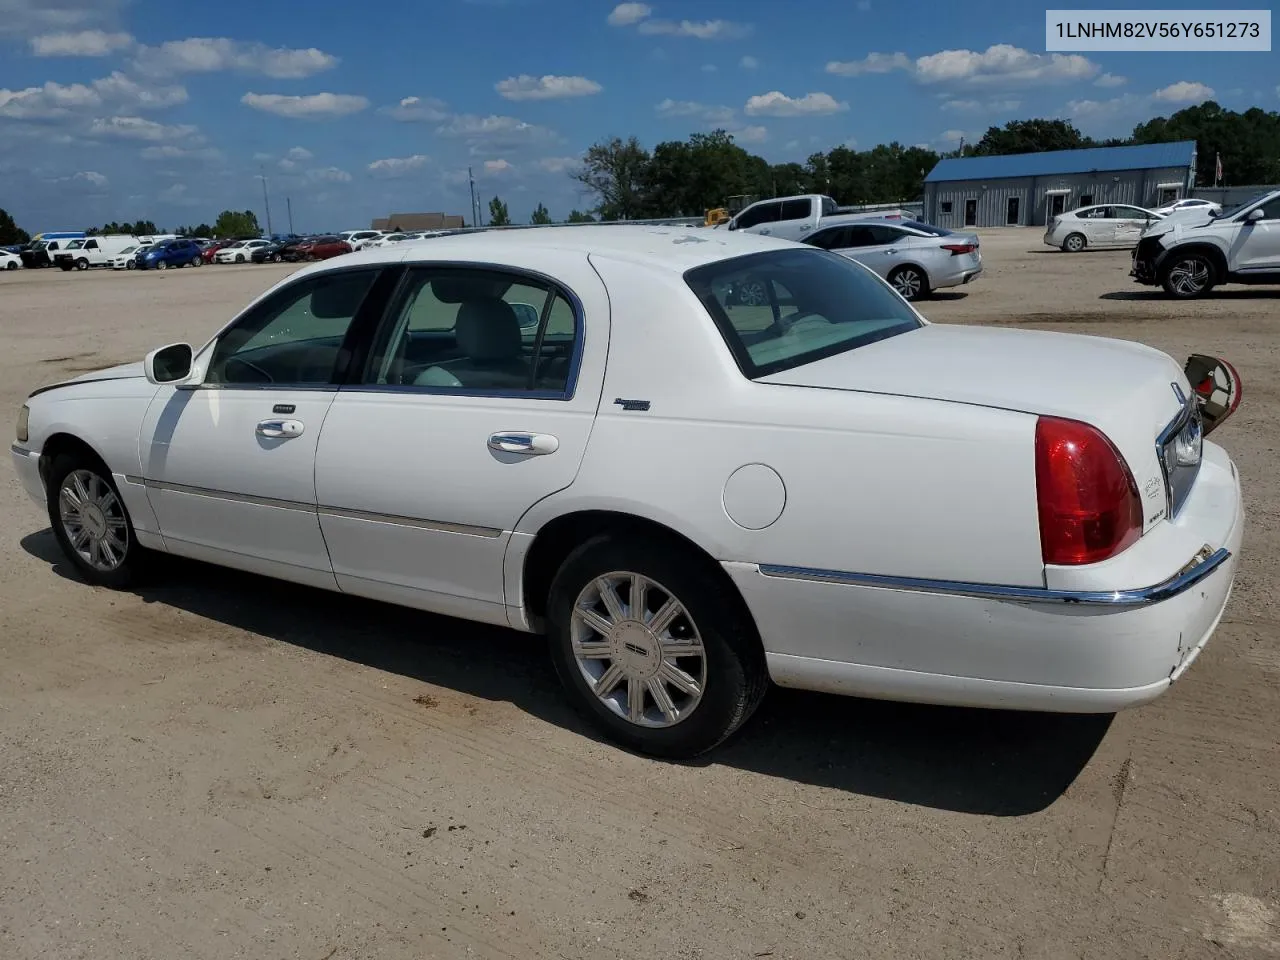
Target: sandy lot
<point>220,766</point>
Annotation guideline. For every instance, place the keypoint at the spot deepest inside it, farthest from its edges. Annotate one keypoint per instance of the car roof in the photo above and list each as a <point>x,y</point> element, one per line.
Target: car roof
<point>675,248</point>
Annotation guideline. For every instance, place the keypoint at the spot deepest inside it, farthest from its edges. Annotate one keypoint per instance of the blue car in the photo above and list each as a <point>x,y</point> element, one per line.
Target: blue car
<point>171,253</point>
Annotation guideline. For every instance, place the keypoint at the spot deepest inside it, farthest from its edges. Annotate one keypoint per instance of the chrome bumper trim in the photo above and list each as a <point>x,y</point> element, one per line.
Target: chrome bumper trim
<point>1186,578</point>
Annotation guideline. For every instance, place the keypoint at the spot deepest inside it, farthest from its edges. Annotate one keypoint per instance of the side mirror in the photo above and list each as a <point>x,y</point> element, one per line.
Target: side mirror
<point>732,224</point>
<point>171,364</point>
<point>1255,215</point>
<point>1217,389</point>
<point>527,315</point>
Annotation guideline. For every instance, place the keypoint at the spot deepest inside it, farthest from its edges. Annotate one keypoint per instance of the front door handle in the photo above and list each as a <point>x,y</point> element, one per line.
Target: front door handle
<point>529,444</point>
<point>279,429</point>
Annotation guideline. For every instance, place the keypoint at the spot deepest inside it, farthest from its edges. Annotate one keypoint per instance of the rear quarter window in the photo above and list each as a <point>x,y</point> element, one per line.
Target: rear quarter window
<point>783,308</point>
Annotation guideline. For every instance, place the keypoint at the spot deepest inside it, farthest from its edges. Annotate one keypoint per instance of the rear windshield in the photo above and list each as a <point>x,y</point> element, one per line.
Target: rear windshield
<point>783,308</point>
<point>928,228</point>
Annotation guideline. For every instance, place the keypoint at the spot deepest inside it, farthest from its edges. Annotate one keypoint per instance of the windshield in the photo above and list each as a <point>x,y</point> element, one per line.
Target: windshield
<point>783,308</point>
<point>1232,211</point>
<point>127,250</point>
<point>41,245</point>
<point>74,245</point>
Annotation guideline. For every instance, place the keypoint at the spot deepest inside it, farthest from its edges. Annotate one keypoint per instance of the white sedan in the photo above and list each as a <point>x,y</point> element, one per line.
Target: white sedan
<point>10,261</point>
<point>1101,225</point>
<point>240,251</point>
<point>691,496</point>
<point>1191,205</point>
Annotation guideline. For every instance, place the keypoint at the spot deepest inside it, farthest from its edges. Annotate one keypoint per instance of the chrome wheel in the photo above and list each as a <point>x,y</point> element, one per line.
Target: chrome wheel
<point>908,282</point>
<point>93,520</point>
<point>638,649</point>
<point>1189,277</point>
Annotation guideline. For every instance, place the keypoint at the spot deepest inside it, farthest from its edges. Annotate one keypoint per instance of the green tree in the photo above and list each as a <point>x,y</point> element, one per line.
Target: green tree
<point>231,223</point>
<point>203,230</point>
<point>1031,136</point>
<point>615,171</point>
<point>10,232</point>
<point>540,215</point>
<point>498,216</point>
<point>1248,143</point>
<point>577,216</point>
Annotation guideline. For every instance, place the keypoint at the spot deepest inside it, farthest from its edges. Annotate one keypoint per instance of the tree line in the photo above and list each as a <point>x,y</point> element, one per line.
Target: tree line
<point>687,178</point>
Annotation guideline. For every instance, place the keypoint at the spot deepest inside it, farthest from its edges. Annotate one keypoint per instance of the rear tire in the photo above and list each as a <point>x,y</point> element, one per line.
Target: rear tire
<point>196,262</point>
<point>1188,276</point>
<point>91,523</point>
<point>1074,243</point>
<point>11,265</point>
<point>673,678</point>
<point>911,282</point>
<point>131,265</point>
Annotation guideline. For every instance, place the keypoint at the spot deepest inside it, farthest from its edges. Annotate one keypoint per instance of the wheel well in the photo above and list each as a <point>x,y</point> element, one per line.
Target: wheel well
<point>66,443</point>
<point>561,536</point>
<point>1214,255</point>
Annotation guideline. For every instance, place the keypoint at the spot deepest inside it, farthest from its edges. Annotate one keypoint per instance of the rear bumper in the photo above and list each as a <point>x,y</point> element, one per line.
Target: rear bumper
<point>1050,650</point>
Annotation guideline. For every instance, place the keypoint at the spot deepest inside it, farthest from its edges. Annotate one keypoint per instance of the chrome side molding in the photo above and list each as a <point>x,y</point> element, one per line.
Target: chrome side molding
<point>1200,567</point>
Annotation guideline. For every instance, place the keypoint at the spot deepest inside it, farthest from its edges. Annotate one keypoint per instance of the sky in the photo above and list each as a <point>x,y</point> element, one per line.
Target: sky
<point>140,109</point>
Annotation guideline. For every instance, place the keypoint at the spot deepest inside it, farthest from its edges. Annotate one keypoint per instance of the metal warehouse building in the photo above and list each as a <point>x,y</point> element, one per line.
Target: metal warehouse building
<point>1025,189</point>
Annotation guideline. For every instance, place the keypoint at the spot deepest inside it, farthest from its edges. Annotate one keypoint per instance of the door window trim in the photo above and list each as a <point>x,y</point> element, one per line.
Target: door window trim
<point>354,342</point>
<point>354,381</point>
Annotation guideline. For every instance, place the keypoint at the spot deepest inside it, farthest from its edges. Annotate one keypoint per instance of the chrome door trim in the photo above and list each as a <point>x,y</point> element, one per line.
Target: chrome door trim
<point>1200,567</point>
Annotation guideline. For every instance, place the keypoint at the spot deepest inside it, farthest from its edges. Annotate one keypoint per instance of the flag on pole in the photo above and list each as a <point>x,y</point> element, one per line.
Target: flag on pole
<point>1217,168</point>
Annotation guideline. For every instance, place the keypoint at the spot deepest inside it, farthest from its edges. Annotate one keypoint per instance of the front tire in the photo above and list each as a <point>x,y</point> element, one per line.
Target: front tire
<point>82,264</point>
<point>653,647</point>
<point>1074,243</point>
<point>131,265</point>
<point>162,265</point>
<point>91,523</point>
<point>911,282</point>
<point>239,258</point>
<point>1188,276</point>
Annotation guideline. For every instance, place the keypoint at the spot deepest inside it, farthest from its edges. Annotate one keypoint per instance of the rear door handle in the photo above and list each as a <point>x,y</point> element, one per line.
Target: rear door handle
<point>529,444</point>
<point>279,429</point>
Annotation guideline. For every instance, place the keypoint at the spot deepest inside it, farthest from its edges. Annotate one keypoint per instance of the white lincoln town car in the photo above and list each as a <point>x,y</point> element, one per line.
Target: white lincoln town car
<point>584,432</point>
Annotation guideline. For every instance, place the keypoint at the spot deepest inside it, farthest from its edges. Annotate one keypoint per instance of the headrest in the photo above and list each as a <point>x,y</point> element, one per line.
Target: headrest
<point>488,330</point>
<point>461,288</point>
<point>339,297</point>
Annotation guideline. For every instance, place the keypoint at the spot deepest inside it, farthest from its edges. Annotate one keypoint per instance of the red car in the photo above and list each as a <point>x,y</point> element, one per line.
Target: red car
<point>322,248</point>
<point>207,254</point>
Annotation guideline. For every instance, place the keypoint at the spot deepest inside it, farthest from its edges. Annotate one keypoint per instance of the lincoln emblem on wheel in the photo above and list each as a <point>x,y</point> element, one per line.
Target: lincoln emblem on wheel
<point>695,468</point>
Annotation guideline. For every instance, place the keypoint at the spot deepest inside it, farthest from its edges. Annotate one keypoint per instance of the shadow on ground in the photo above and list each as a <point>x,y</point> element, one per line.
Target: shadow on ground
<point>1248,293</point>
<point>973,761</point>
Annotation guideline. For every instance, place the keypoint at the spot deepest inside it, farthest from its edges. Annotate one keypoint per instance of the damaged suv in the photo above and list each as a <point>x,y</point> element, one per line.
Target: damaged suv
<point>1190,256</point>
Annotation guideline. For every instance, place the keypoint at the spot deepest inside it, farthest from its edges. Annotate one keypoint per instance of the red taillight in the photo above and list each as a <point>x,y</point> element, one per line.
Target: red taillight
<point>959,248</point>
<point>1088,503</point>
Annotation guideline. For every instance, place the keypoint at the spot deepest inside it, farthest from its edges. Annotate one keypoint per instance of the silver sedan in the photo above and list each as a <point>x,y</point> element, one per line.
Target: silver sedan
<point>917,258</point>
<point>1099,225</point>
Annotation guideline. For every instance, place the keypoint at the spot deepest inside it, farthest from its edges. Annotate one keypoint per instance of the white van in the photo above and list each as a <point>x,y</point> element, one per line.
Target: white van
<point>93,251</point>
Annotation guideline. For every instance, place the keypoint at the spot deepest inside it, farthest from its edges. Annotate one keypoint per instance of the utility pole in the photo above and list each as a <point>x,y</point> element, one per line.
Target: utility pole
<point>288,203</point>
<point>265,202</point>
<point>475,209</point>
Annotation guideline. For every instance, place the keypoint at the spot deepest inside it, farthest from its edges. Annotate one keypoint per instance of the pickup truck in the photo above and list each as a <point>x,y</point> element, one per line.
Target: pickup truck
<point>794,218</point>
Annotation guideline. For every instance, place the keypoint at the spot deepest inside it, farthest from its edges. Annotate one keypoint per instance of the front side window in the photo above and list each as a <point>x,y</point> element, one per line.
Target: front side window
<point>476,331</point>
<point>761,213</point>
<point>295,336</point>
<point>783,308</point>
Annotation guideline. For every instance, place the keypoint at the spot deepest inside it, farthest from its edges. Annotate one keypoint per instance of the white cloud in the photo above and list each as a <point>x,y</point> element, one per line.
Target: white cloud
<point>1184,91</point>
<point>792,145</point>
<point>963,105</point>
<point>287,164</point>
<point>316,106</point>
<point>498,167</point>
<point>494,132</point>
<point>951,136</point>
<point>702,30</point>
<point>174,192</point>
<point>21,19</point>
<point>170,151</point>
<point>750,134</point>
<point>871,63</point>
<point>262,156</point>
<point>558,164</point>
<point>748,63</point>
<point>91,176</point>
<point>212,54</point>
<point>55,100</point>
<point>987,106</point>
<point>1110,80</point>
<point>328,175</point>
<point>390,167</point>
<point>416,109</point>
<point>1087,110</point>
<point>777,104</point>
<point>863,5</point>
<point>299,153</point>
<point>690,108</point>
<point>84,43</point>
<point>550,87</point>
<point>1003,64</point>
<point>625,14</point>
<point>136,128</point>
<point>709,68</point>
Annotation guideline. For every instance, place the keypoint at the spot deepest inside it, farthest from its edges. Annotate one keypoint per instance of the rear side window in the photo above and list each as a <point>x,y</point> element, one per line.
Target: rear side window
<point>783,308</point>
<point>928,228</point>
<point>795,209</point>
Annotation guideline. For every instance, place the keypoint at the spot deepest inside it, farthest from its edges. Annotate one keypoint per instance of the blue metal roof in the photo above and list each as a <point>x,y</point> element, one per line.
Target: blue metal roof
<point>1147,156</point>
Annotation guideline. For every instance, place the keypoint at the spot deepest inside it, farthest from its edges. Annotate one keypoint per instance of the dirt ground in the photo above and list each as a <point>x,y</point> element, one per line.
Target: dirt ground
<point>220,766</point>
